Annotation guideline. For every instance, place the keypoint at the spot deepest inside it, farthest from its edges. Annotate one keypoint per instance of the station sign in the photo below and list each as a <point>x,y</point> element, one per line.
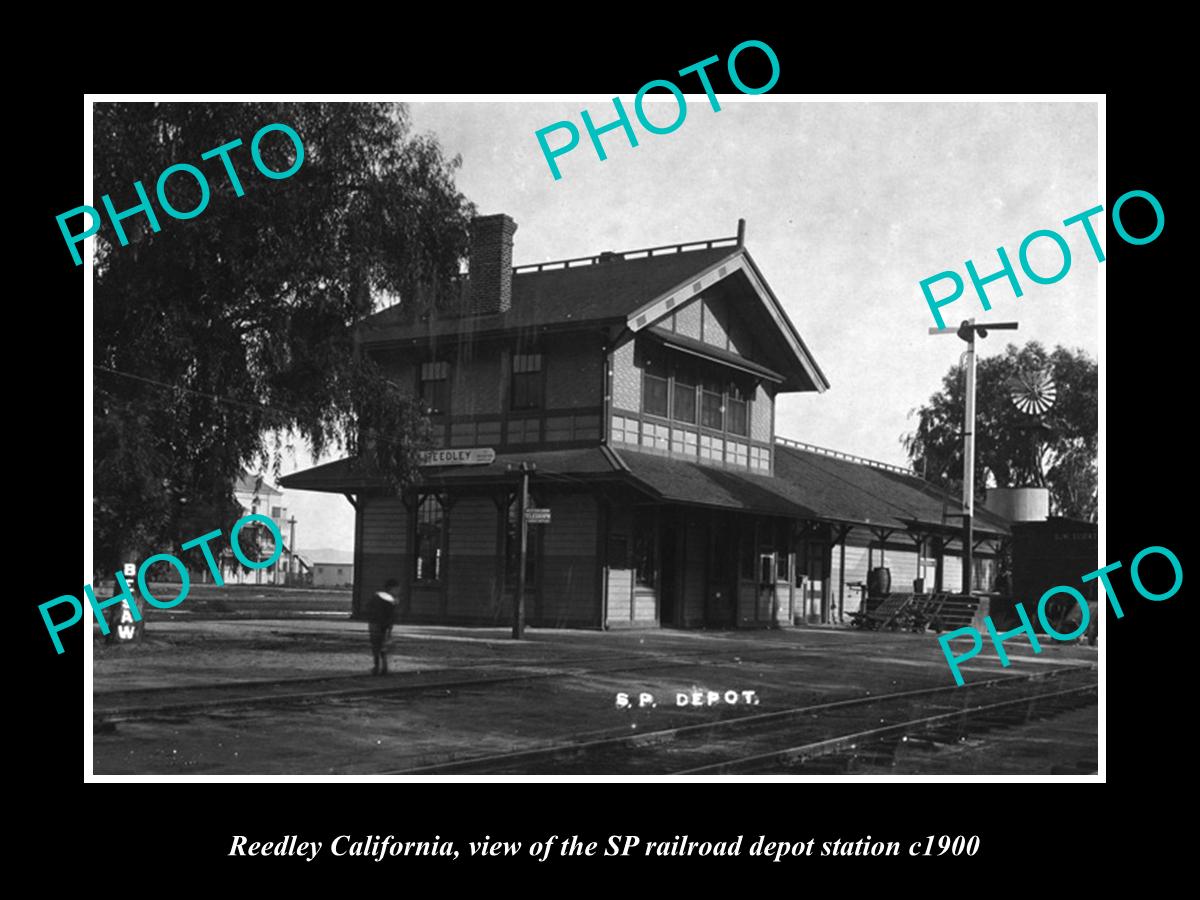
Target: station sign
<point>473,456</point>
<point>122,627</point>
<point>537,516</point>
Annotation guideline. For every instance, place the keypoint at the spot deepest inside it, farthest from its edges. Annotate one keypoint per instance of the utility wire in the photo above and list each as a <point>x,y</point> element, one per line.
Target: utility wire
<point>231,401</point>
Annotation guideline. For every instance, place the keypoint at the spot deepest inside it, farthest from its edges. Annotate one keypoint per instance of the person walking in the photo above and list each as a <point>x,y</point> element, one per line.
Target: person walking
<point>381,610</point>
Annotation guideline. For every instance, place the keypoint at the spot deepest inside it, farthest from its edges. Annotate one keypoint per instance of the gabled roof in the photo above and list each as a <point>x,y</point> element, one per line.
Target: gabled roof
<point>778,331</point>
<point>600,292</point>
<point>254,484</point>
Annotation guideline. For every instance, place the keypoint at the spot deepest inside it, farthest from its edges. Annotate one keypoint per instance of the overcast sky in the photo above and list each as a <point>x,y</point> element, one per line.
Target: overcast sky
<point>848,206</point>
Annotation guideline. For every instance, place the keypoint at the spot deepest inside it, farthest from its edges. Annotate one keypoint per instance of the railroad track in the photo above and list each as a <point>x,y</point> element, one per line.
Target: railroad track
<point>751,743</point>
<point>141,704</point>
<point>878,744</point>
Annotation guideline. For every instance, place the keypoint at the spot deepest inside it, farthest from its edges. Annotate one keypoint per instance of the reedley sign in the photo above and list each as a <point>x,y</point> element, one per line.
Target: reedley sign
<point>476,456</point>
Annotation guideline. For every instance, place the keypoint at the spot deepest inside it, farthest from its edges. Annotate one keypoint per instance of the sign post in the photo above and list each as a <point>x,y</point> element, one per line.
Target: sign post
<point>519,600</point>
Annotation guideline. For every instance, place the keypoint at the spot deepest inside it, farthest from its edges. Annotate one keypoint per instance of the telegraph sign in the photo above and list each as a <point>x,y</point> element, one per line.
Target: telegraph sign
<point>475,456</point>
<point>536,516</point>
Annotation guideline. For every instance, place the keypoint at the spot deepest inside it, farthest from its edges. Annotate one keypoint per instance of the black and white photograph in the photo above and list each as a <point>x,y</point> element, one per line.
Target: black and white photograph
<point>677,434</point>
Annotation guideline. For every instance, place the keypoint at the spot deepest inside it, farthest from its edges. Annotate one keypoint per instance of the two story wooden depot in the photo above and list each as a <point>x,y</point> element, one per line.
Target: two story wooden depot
<point>642,385</point>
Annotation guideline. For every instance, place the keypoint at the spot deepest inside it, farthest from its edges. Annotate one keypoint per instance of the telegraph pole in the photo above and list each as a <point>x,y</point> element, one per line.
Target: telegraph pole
<point>967,331</point>
<point>291,572</point>
<point>519,600</point>
<point>969,463</point>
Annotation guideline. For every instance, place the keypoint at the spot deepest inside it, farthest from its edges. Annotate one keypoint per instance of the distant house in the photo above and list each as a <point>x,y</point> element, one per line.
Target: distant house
<point>331,568</point>
<point>255,495</point>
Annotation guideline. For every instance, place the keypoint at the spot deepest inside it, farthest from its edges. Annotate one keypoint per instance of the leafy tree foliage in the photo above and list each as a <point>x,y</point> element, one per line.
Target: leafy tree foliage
<point>1056,450</point>
<point>223,339</point>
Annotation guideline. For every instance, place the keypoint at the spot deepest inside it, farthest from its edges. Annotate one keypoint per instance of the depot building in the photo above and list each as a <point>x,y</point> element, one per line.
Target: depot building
<point>641,387</point>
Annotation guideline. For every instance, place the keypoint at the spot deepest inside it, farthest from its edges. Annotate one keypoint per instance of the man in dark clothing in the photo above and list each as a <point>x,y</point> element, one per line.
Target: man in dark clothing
<point>380,610</point>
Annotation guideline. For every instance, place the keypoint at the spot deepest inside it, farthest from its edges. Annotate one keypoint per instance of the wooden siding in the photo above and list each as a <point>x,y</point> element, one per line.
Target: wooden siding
<point>952,574</point>
<point>470,567</point>
<point>620,597</point>
<point>645,606</point>
<point>425,604</point>
<point>695,556</point>
<point>569,594</point>
<point>382,525</point>
<point>747,603</point>
<point>783,604</point>
<point>574,373</point>
<point>475,384</point>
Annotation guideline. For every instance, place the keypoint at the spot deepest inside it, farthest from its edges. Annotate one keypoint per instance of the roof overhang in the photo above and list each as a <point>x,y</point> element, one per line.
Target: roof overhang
<point>738,261</point>
<point>567,467</point>
<point>693,347</point>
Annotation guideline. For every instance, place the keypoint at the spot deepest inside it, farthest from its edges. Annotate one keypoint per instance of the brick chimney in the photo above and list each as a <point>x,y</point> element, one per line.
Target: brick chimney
<point>490,264</point>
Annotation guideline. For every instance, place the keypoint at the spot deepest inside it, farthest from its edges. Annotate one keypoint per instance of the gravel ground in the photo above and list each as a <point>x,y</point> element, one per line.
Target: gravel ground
<point>422,713</point>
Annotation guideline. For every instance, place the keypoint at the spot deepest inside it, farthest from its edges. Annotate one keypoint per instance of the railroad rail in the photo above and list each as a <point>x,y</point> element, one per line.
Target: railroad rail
<point>704,748</point>
<point>951,726</point>
<point>139,704</point>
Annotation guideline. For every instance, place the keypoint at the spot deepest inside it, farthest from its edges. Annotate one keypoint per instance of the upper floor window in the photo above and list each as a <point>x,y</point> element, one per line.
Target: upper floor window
<point>435,387</point>
<point>695,393</point>
<point>683,400</point>
<point>654,395</point>
<point>712,409</point>
<point>736,417</point>
<point>526,381</point>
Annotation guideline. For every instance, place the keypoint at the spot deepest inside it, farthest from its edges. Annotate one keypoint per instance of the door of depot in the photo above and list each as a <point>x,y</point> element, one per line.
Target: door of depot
<point>768,563</point>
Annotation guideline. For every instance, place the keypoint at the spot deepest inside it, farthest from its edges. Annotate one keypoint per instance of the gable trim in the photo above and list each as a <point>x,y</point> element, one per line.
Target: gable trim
<point>662,305</point>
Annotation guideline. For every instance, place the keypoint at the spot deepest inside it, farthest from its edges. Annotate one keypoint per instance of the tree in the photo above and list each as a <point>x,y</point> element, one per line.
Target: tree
<point>222,339</point>
<point>1056,450</point>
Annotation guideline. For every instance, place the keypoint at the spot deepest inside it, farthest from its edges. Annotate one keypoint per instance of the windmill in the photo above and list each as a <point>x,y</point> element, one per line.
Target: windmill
<point>1033,393</point>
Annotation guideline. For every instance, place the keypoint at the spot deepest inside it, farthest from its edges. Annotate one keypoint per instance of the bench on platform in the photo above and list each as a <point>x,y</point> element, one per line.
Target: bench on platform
<point>940,611</point>
<point>882,615</point>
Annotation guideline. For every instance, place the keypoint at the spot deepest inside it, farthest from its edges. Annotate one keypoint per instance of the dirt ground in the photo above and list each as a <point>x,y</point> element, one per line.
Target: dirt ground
<point>164,706</point>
